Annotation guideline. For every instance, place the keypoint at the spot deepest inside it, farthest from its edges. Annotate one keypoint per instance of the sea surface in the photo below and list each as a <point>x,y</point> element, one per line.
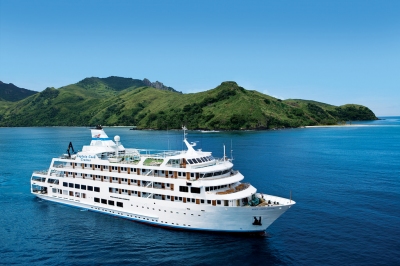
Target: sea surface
<point>345,180</point>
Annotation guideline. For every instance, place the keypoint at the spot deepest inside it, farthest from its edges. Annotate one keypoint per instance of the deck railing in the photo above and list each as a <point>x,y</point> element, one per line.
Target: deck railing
<point>238,188</point>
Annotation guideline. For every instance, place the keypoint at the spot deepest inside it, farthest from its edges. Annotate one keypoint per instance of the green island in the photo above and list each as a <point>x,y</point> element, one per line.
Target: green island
<point>116,101</point>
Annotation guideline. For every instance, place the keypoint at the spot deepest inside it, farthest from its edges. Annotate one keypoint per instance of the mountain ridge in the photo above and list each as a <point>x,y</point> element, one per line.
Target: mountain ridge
<point>13,93</point>
<point>123,102</point>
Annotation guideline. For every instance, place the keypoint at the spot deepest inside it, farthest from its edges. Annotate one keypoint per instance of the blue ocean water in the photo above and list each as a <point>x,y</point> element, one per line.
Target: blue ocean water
<point>345,180</point>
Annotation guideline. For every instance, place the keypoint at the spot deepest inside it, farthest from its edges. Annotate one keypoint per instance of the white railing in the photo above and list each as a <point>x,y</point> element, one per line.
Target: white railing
<point>41,172</point>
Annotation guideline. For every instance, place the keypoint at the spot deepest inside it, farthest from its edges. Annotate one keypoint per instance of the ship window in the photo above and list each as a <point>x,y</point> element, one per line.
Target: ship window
<point>54,190</point>
<point>104,201</point>
<point>202,201</point>
<point>191,174</point>
<point>96,200</point>
<point>194,160</point>
<point>189,161</point>
<point>96,189</point>
<point>90,188</point>
<point>195,190</point>
<point>208,175</point>
<point>83,195</point>
<point>208,201</point>
<point>193,200</point>
<point>183,189</point>
<point>207,189</point>
<point>65,184</point>
<point>77,186</point>
<point>218,202</point>
<point>180,198</point>
<point>168,197</point>
<point>71,185</point>
<point>111,202</point>
<point>120,204</point>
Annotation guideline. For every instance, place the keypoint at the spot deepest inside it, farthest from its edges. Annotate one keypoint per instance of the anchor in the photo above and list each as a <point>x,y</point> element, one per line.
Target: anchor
<point>257,221</point>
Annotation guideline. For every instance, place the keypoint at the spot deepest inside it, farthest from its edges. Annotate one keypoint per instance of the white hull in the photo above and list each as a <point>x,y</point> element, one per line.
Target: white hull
<point>218,219</point>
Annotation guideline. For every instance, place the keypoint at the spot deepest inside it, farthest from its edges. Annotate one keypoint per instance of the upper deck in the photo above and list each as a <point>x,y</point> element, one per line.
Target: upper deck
<point>102,149</point>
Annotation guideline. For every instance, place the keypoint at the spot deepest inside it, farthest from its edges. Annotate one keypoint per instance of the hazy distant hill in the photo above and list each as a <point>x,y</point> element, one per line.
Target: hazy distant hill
<point>12,93</point>
<point>122,101</point>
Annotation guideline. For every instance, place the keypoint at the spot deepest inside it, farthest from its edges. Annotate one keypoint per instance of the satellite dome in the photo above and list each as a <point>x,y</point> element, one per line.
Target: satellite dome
<point>117,138</point>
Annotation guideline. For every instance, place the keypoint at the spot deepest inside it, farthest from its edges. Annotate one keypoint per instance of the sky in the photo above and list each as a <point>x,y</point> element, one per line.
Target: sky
<point>336,52</point>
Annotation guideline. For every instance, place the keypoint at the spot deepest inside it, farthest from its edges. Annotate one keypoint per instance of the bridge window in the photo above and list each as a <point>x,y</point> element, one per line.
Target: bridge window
<point>195,190</point>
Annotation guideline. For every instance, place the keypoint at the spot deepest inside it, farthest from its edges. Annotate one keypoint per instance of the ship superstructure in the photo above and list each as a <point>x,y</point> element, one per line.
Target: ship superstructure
<point>187,189</point>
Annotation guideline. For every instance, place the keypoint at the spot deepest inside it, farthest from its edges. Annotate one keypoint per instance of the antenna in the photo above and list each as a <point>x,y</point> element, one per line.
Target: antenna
<point>224,153</point>
<point>167,136</point>
<point>231,151</point>
<point>184,132</point>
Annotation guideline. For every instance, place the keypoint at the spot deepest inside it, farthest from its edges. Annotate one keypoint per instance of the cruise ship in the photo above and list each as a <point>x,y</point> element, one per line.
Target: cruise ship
<point>188,189</point>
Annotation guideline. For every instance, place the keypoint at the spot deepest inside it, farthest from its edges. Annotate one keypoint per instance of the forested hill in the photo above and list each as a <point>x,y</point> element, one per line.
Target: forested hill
<point>127,102</point>
<point>12,93</point>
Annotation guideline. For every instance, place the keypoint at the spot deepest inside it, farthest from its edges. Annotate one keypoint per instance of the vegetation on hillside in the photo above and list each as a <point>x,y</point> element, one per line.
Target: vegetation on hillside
<point>12,93</point>
<point>124,102</point>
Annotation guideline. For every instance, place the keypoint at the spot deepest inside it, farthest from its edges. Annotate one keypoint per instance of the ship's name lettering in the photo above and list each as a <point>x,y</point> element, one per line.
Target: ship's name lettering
<point>86,158</point>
